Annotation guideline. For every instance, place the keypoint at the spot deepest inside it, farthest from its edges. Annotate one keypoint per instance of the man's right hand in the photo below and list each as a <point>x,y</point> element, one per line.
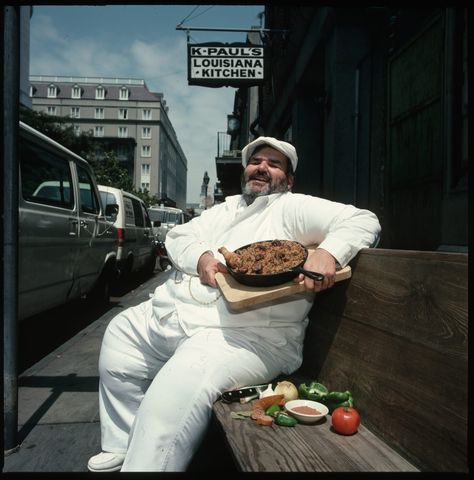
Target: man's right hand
<point>207,268</point>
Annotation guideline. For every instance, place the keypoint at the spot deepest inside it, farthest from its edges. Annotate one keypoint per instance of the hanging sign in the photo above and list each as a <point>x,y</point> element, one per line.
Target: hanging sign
<point>225,64</point>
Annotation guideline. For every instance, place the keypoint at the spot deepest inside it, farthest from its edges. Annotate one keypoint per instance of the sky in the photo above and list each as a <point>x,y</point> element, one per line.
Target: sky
<point>141,41</point>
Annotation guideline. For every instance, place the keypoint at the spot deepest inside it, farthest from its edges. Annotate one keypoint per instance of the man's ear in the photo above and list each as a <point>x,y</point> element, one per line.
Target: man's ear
<point>291,181</point>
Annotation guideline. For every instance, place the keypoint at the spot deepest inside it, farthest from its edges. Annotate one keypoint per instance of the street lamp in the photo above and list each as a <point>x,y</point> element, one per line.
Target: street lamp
<point>206,183</point>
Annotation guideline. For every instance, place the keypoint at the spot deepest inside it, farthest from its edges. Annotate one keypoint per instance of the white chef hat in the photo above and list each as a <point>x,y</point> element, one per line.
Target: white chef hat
<point>284,147</point>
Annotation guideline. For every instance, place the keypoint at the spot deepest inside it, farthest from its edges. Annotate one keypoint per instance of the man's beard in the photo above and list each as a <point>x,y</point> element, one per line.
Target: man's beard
<point>249,196</point>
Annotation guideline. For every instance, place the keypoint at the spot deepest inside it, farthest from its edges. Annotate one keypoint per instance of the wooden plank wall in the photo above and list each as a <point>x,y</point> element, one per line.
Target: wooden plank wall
<point>396,335</point>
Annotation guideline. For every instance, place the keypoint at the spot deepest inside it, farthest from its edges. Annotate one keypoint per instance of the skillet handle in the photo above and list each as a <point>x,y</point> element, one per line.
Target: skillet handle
<point>319,277</point>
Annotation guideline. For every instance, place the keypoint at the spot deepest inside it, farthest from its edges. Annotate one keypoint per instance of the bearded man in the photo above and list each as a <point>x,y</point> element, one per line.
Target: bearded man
<point>164,362</point>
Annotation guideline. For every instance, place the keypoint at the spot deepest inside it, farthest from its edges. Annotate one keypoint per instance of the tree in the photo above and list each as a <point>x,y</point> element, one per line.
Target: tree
<point>146,197</point>
<point>60,130</point>
<point>109,172</point>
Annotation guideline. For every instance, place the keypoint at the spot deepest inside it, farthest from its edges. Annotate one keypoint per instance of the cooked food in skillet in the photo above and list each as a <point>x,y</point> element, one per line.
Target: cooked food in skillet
<point>267,257</point>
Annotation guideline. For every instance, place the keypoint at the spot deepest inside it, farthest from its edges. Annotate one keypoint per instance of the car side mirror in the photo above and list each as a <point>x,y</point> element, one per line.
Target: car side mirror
<point>157,223</point>
<point>111,210</point>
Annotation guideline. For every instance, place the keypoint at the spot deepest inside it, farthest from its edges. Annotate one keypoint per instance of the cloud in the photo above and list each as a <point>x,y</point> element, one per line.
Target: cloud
<point>59,54</point>
<point>45,31</point>
<point>196,113</point>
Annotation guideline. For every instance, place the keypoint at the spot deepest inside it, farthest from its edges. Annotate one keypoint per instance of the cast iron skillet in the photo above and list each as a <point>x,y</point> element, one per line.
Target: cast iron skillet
<point>270,279</point>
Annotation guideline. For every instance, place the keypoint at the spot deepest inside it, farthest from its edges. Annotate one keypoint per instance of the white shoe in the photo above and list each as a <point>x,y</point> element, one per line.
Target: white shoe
<point>106,462</point>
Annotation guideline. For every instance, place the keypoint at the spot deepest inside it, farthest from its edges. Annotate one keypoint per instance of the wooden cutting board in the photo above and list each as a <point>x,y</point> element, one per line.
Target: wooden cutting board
<point>243,297</point>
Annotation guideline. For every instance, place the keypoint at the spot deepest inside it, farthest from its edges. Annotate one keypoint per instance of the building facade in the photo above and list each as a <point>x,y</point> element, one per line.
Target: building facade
<point>375,99</point>
<point>129,120</point>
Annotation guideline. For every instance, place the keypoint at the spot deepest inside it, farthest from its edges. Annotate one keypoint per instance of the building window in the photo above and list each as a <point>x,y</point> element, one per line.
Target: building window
<point>32,90</point>
<point>123,114</point>
<point>52,91</point>
<point>99,113</point>
<point>146,151</point>
<point>123,132</point>
<point>77,130</point>
<point>75,112</point>
<point>145,186</point>
<point>146,132</point>
<point>76,92</point>
<point>124,93</point>
<point>122,152</point>
<point>51,110</point>
<point>145,169</point>
<point>100,93</point>
<point>146,114</point>
<point>99,131</point>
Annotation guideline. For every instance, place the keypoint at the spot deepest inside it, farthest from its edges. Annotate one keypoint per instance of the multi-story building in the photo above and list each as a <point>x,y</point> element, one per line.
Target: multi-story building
<point>128,119</point>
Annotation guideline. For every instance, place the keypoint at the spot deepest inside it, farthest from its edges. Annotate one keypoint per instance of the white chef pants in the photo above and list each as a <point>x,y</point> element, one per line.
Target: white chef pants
<point>157,385</point>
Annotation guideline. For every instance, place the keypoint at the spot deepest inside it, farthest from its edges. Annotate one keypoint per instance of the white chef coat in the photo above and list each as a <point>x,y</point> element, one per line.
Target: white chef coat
<point>340,229</point>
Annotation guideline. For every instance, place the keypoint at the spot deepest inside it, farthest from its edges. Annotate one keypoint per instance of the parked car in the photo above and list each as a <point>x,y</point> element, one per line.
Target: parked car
<point>164,219</point>
<point>136,246</point>
<point>67,248</point>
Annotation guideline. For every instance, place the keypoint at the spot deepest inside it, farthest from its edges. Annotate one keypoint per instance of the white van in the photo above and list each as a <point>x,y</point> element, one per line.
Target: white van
<point>67,248</point>
<point>136,246</point>
<point>164,219</point>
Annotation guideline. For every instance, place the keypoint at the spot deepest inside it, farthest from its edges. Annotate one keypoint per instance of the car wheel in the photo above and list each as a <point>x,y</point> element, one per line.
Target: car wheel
<point>150,266</point>
<point>127,269</point>
<point>100,295</point>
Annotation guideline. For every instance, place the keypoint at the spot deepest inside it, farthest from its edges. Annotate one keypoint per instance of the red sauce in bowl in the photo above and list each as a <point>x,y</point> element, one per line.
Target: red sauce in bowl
<point>306,410</point>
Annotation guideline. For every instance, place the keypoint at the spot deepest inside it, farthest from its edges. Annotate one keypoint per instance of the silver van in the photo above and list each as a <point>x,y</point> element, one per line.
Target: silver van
<point>164,219</point>
<point>67,248</point>
<point>136,247</point>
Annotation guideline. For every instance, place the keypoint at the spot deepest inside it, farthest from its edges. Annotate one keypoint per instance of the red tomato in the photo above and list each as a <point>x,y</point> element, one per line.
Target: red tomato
<point>345,420</point>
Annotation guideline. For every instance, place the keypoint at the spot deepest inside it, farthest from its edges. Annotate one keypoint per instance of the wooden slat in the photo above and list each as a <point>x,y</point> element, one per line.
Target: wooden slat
<point>304,448</point>
<point>422,298</point>
<point>396,336</point>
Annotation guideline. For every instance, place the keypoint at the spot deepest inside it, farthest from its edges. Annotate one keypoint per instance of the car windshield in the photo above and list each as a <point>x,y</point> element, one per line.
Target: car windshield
<point>156,215</point>
<point>174,218</point>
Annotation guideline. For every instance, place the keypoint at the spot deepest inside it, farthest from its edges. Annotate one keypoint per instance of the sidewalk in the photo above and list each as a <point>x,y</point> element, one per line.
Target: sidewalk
<point>58,409</point>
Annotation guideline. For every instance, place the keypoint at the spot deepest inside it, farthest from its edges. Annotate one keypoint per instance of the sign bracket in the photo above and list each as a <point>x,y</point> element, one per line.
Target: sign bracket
<point>262,31</point>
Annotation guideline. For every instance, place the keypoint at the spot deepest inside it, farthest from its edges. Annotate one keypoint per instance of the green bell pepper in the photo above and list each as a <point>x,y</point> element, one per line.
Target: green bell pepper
<point>273,410</point>
<point>312,391</point>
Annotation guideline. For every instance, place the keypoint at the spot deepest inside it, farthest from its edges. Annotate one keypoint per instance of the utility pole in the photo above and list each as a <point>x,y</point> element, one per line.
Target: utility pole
<point>10,103</point>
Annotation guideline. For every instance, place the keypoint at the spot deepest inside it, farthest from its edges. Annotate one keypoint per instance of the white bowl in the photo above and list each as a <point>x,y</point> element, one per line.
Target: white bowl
<point>303,417</point>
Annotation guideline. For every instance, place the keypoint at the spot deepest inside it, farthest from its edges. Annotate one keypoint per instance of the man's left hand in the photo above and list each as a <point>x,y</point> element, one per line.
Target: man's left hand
<point>323,262</point>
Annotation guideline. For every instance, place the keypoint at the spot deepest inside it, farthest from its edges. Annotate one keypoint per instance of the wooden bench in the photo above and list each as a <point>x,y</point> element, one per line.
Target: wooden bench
<point>395,335</point>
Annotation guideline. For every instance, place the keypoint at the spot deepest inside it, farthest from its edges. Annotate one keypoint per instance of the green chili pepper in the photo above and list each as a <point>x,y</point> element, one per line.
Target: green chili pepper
<point>338,399</point>
<point>272,410</point>
<point>312,391</point>
<point>285,420</point>
<point>338,396</point>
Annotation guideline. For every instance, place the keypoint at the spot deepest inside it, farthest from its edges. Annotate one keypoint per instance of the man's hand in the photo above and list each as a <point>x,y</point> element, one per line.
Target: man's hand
<point>320,261</point>
<point>207,268</point>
